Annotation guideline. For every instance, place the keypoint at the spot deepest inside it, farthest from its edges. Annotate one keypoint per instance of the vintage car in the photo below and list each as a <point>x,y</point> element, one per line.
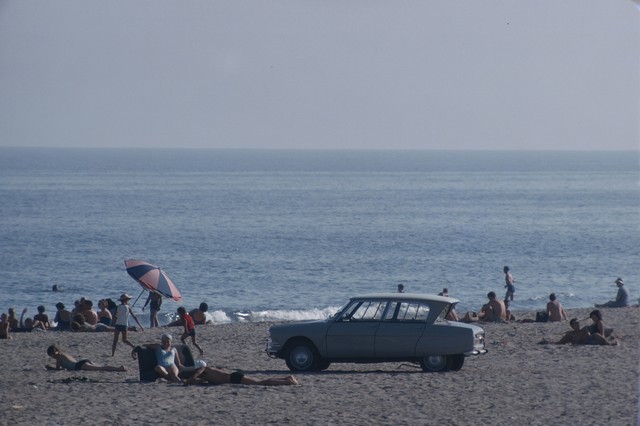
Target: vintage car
<point>380,328</point>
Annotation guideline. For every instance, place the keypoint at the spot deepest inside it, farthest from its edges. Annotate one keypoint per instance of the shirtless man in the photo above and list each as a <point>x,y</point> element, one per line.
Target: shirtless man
<point>499,311</point>
<point>574,337</point>
<point>216,376</point>
<point>555,310</point>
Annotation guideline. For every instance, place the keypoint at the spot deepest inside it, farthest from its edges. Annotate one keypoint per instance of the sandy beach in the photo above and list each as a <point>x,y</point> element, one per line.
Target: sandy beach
<point>519,382</point>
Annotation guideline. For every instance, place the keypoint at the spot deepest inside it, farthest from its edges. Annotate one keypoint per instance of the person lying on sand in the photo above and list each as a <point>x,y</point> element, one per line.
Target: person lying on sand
<point>215,376</point>
<point>580,336</point>
<point>64,361</point>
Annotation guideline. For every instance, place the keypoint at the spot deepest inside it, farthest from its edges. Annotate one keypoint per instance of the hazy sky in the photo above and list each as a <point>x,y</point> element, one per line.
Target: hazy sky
<point>424,74</point>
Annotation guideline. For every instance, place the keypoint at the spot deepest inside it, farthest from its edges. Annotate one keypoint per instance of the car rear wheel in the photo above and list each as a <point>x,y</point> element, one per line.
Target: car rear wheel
<point>435,363</point>
<point>458,362</point>
<point>302,356</point>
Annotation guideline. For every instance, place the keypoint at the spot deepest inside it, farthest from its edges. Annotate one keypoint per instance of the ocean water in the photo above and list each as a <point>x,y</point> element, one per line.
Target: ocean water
<point>275,235</point>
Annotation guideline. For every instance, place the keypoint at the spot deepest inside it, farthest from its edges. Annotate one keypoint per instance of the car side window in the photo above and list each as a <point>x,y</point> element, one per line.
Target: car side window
<point>407,311</point>
<point>364,311</point>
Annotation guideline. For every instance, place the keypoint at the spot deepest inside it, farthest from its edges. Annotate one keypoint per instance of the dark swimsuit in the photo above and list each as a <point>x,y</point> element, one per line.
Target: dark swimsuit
<point>80,363</point>
<point>236,377</point>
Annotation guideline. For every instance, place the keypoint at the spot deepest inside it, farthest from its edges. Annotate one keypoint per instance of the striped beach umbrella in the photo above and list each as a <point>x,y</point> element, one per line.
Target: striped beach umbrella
<point>152,278</point>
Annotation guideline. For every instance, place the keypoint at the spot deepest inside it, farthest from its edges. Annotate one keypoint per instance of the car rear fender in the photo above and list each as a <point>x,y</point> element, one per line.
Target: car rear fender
<point>446,339</point>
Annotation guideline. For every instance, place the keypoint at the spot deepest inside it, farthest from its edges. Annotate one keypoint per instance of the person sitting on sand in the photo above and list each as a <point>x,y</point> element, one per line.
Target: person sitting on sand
<point>62,318</point>
<point>622,297</point>
<point>13,319</point>
<point>597,332</point>
<point>198,315</point>
<point>64,361</point>
<point>574,337</point>
<point>28,325</point>
<point>4,326</point>
<point>42,317</point>
<point>90,315</point>
<point>169,363</point>
<point>104,316</point>
<point>492,311</point>
<point>555,311</point>
<point>215,376</point>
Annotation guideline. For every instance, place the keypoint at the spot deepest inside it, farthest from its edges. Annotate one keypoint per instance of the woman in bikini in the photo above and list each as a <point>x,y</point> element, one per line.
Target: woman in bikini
<point>64,361</point>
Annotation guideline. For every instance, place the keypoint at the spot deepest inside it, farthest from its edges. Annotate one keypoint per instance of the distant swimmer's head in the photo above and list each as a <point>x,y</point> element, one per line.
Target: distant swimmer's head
<point>55,288</point>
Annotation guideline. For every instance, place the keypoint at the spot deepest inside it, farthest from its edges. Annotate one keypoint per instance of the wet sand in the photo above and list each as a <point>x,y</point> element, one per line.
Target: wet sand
<point>519,382</point>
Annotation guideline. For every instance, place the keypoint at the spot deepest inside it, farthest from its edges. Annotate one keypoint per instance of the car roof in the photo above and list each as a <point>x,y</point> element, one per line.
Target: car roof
<point>407,296</point>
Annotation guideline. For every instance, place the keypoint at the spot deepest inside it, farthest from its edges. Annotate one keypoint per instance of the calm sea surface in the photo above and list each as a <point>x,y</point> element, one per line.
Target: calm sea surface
<point>268,235</point>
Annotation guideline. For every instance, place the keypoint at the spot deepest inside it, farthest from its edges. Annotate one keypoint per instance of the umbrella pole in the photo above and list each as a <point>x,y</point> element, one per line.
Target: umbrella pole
<point>134,303</point>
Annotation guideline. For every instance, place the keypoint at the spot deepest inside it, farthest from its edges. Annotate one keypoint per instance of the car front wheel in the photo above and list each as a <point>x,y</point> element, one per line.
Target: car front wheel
<point>301,356</point>
<point>435,363</point>
<point>458,362</point>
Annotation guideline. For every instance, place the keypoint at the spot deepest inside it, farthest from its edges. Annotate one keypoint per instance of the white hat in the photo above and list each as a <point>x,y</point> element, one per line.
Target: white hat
<point>619,281</point>
<point>124,296</point>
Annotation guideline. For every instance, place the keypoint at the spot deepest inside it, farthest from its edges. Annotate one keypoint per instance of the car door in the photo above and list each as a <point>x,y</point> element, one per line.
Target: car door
<point>400,330</point>
<point>352,336</point>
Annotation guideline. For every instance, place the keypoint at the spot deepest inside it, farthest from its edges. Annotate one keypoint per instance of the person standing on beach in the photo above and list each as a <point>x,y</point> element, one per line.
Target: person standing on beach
<point>155,301</point>
<point>555,311</point>
<point>122,322</point>
<point>189,328</point>
<point>622,298</point>
<point>508,279</point>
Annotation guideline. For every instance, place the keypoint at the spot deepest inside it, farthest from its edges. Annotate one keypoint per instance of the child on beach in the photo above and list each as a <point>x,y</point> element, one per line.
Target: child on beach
<point>508,279</point>
<point>122,322</point>
<point>64,361</point>
<point>189,328</point>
